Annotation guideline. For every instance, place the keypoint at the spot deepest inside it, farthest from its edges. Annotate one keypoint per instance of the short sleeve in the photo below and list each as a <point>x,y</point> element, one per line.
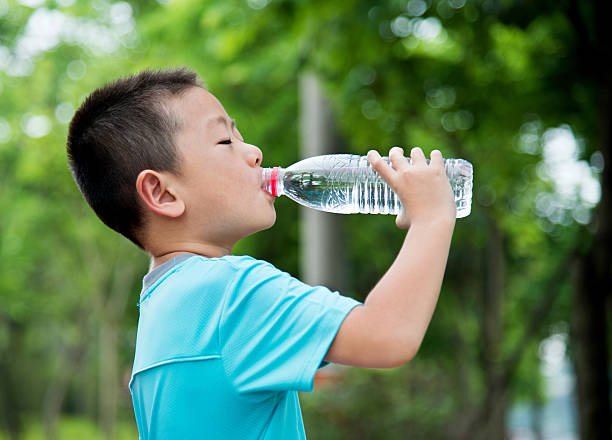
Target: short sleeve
<point>275,330</point>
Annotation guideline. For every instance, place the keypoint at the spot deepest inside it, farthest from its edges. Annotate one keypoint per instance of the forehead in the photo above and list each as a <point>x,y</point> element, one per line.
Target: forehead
<point>198,106</point>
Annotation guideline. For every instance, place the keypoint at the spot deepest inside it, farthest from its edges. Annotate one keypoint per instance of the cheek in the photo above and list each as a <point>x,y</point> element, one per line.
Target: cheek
<point>206,193</point>
<point>224,188</point>
<point>244,185</point>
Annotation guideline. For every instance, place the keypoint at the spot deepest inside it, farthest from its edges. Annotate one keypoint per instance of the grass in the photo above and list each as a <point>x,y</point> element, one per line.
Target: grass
<point>76,428</point>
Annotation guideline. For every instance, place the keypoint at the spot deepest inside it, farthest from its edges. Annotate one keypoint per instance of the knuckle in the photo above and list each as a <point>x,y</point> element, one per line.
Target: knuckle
<point>405,173</point>
<point>378,164</point>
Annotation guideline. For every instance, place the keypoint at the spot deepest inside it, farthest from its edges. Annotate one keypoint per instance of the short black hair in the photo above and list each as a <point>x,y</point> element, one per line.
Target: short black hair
<point>121,129</point>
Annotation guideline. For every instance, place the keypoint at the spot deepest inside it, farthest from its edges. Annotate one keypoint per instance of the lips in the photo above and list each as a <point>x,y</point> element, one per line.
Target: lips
<point>266,180</point>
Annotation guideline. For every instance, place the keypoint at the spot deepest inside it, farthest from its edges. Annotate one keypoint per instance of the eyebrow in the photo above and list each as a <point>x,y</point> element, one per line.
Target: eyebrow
<point>221,120</point>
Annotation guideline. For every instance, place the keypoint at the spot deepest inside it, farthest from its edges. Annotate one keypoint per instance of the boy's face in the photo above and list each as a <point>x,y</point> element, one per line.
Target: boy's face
<point>220,174</point>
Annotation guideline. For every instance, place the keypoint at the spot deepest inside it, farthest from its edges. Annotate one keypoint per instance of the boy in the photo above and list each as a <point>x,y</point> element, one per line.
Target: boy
<point>225,342</point>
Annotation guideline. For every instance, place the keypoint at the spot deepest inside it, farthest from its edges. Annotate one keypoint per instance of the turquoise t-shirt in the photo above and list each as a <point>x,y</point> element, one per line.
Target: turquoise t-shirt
<point>223,347</point>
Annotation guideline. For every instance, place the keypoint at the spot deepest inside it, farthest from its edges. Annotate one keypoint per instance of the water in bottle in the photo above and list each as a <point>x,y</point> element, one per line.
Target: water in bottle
<point>347,184</point>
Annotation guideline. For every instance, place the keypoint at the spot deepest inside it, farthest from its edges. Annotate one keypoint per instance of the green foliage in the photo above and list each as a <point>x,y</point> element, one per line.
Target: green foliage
<point>395,407</point>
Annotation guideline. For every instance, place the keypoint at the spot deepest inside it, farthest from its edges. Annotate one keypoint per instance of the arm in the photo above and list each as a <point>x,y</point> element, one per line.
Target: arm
<point>388,329</point>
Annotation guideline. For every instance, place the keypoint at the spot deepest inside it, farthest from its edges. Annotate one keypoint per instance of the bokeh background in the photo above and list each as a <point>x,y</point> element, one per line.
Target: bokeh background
<point>518,345</point>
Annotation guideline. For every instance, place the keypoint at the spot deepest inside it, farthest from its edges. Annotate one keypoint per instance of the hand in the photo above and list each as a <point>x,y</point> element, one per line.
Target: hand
<point>424,190</point>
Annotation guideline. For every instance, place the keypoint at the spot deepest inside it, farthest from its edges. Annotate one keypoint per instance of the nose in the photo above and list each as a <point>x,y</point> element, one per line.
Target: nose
<point>255,155</point>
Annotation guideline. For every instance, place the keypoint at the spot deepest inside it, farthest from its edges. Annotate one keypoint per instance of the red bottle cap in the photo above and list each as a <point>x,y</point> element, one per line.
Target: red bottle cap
<point>273,179</point>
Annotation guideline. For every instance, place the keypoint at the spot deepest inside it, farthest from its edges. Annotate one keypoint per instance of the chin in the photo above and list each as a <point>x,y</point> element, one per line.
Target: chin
<point>271,221</point>
<point>264,223</point>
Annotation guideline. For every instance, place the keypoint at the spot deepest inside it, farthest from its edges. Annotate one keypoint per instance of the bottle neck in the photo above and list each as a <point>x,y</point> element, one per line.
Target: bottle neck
<point>272,180</point>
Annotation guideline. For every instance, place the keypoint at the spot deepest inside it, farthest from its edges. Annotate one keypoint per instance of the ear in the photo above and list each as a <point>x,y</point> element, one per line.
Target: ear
<point>154,190</point>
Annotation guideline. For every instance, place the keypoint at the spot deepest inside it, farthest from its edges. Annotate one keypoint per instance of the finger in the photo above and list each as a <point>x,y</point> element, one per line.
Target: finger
<point>436,158</point>
<point>373,156</point>
<point>379,165</point>
<point>399,161</point>
<point>417,156</point>
<point>402,221</point>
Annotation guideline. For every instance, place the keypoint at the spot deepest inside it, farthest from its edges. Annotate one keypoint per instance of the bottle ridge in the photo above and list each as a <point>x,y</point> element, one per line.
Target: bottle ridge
<point>347,184</point>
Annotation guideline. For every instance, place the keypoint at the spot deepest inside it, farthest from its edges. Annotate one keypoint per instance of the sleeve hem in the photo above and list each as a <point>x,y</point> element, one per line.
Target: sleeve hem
<point>331,327</point>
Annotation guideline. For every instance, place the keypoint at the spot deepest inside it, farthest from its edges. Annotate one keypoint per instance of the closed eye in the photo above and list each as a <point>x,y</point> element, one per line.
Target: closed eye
<point>226,142</point>
<point>238,135</point>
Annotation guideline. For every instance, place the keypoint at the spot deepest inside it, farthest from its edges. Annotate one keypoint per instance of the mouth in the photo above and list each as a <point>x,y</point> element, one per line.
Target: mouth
<point>271,181</point>
<point>268,195</point>
<point>263,184</point>
<point>266,177</point>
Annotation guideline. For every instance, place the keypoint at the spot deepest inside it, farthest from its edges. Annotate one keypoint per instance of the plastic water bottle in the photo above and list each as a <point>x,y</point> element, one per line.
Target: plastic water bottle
<point>347,184</point>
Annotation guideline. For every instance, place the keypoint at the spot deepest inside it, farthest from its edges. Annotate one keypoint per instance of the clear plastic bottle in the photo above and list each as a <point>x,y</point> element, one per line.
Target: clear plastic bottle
<point>347,184</point>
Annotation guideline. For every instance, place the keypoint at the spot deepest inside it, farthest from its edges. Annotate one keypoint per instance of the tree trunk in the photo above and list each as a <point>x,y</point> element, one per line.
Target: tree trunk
<point>497,387</point>
<point>119,283</point>
<point>489,421</point>
<point>590,352</point>
<point>109,378</point>
<point>56,391</point>
<point>593,270</point>
<point>592,285</point>
<point>321,247</point>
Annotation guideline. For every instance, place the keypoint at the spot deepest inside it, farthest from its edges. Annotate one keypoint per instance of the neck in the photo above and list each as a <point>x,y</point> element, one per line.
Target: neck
<point>160,256</point>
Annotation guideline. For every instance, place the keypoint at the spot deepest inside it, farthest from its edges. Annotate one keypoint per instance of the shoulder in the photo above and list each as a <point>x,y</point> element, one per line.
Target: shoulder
<point>249,265</point>
<point>235,261</point>
<point>229,262</point>
<point>237,267</point>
